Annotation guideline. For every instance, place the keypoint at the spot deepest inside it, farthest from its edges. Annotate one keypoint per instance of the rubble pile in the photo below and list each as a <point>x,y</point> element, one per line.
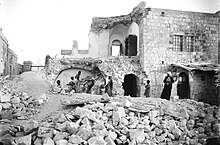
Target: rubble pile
<point>18,105</point>
<point>126,120</point>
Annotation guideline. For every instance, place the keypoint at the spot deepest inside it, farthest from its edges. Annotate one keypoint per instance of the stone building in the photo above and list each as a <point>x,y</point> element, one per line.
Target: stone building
<point>159,40</point>
<point>8,59</point>
<point>162,39</point>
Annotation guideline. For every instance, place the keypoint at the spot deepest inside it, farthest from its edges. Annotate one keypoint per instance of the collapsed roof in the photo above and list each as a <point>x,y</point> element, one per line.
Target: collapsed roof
<point>199,67</point>
<point>100,23</point>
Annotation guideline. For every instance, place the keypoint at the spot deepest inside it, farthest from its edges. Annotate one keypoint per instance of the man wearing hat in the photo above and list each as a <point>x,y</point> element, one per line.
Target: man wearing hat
<point>168,81</point>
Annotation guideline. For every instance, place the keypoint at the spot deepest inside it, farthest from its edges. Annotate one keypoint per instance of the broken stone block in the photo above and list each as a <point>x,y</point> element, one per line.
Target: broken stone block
<point>6,139</point>
<point>158,131</point>
<point>127,103</point>
<point>38,141</point>
<point>190,124</point>
<point>60,136</point>
<point>121,111</point>
<point>4,98</point>
<point>184,113</point>
<point>99,126</point>
<point>116,118</point>
<point>101,133</point>
<point>209,118</point>
<point>25,140</point>
<point>61,142</point>
<point>62,119</point>
<point>124,121</point>
<point>45,132</point>
<point>82,112</point>
<point>48,141</point>
<point>15,100</point>
<point>137,134</point>
<point>72,127</point>
<point>123,138</point>
<point>152,134</point>
<point>6,105</point>
<point>6,115</point>
<point>61,126</point>
<point>161,138</point>
<point>176,132</point>
<point>112,135</point>
<point>153,114</point>
<point>109,141</point>
<point>75,139</point>
<point>171,124</point>
<point>84,133</point>
<point>1,107</point>
<point>216,128</point>
<point>30,126</point>
<point>97,141</point>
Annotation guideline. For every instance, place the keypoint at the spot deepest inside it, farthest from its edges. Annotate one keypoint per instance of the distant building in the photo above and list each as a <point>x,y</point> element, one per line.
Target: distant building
<point>78,53</point>
<point>8,59</point>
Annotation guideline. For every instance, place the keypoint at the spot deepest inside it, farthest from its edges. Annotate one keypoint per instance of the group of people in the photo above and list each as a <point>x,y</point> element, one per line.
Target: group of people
<point>168,82</point>
<point>78,85</point>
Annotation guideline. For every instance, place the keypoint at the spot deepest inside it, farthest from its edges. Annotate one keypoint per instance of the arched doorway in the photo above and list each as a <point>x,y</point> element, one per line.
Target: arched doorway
<point>183,86</point>
<point>131,45</point>
<point>116,48</point>
<point>130,85</point>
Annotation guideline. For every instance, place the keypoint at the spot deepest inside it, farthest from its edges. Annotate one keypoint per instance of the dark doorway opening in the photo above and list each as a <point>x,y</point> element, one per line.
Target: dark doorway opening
<point>131,45</point>
<point>183,86</point>
<point>130,85</point>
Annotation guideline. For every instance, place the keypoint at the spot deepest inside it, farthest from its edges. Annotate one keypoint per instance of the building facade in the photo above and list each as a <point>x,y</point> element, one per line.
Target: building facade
<point>8,59</point>
<point>161,38</point>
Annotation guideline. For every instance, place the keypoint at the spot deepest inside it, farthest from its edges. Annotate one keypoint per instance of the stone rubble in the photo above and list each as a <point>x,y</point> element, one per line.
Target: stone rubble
<point>167,122</point>
<point>19,105</point>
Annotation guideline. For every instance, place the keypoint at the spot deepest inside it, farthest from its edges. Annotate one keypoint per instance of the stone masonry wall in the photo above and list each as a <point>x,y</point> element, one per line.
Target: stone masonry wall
<point>204,88</point>
<point>158,28</point>
<point>117,67</point>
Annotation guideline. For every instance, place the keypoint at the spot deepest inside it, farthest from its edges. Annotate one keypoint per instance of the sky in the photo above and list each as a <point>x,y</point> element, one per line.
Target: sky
<point>36,28</point>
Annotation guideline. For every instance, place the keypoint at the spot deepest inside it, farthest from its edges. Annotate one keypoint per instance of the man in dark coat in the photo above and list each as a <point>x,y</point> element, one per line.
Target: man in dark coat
<point>168,81</point>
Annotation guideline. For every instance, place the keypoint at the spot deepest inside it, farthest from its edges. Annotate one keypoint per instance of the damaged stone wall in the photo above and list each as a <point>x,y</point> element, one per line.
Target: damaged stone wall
<point>157,30</point>
<point>204,88</point>
<point>117,67</point>
<point>104,30</point>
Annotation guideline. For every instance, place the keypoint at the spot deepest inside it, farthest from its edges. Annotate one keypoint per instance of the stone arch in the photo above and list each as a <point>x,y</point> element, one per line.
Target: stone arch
<point>119,38</point>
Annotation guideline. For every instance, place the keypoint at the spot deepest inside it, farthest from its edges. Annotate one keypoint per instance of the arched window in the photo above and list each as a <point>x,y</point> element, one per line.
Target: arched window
<point>116,48</point>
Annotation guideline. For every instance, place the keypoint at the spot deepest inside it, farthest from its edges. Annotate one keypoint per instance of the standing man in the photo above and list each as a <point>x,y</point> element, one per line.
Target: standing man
<point>109,86</point>
<point>168,81</point>
<point>147,89</point>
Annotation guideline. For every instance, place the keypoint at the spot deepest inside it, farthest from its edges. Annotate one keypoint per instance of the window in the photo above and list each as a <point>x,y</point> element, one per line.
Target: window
<point>178,42</point>
<point>181,42</point>
<point>189,43</point>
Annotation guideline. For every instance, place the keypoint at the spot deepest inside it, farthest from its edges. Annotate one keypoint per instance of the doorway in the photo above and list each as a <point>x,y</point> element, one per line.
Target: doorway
<point>130,85</point>
<point>183,86</point>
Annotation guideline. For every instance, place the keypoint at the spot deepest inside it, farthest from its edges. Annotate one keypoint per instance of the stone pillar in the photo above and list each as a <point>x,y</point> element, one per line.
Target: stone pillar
<point>27,66</point>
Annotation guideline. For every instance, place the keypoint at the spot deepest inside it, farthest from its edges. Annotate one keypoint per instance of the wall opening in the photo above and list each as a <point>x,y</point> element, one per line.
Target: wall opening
<point>183,86</point>
<point>131,45</point>
<point>116,49</point>
<point>130,85</point>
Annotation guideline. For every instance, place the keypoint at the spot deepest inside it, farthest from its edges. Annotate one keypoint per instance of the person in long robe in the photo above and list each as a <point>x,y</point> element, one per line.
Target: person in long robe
<point>147,89</point>
<point>168,81</point>
<point>109,86</point>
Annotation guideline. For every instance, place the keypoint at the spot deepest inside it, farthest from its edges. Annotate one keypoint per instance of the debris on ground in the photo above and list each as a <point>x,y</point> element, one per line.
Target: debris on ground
<point>97,119</point>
